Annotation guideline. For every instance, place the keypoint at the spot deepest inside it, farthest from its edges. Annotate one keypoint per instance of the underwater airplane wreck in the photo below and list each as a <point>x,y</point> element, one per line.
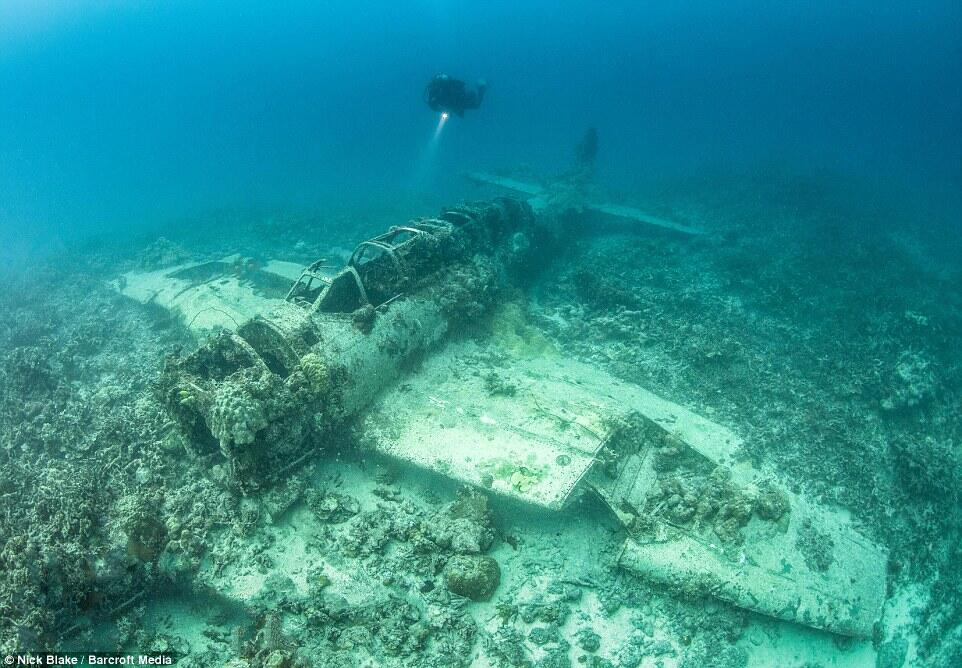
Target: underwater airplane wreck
<point>373,349</point>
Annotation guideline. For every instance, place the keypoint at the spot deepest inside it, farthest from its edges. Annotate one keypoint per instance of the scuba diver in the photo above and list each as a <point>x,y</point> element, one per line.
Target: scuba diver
<point>449,95</point>
<point>583,171</point>
<point>587,149</point>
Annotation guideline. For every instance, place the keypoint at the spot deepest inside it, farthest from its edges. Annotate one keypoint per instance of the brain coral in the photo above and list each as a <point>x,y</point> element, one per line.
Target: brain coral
<point>236,415</point>
<point>316,373</point>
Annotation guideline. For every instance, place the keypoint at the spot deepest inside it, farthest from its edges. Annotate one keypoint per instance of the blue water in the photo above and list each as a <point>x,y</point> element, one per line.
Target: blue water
<point>131,113</point>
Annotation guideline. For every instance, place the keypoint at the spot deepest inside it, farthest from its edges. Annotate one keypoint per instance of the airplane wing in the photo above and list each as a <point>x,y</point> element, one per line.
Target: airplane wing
<point>218,294</point>
<point>543,429</point>
<point>811,566</point>
<point>528,428</point>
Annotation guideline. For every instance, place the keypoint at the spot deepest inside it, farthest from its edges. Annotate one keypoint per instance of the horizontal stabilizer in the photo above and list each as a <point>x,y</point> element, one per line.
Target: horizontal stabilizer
<point>539,201</point>
<point>632,214</point>
<point>505,182</point>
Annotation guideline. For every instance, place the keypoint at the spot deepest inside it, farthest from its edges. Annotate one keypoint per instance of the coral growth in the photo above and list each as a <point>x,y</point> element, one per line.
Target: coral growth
<point>463,526</point>
<point>913,382</point>
<point>816,547</point>
<point>236,414</point>
<point>162,253</point>
<point>316,373</point>
<point>716,501</point>
<point>474,577</point>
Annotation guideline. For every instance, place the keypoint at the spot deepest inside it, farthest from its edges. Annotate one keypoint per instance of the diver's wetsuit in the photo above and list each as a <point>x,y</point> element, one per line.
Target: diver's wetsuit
<point>444,93</point>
